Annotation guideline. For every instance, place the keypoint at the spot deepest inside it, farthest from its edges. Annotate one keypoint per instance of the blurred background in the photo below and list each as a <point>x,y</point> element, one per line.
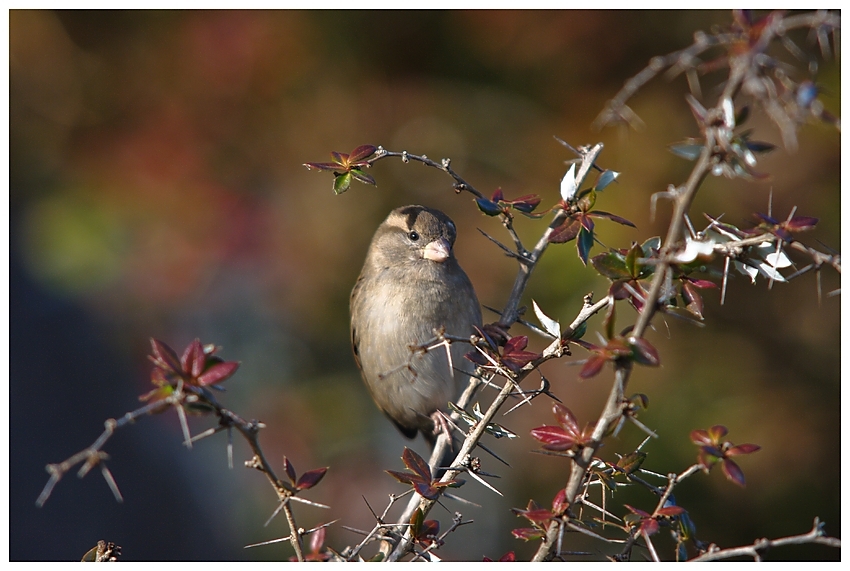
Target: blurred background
<point>157,190</point>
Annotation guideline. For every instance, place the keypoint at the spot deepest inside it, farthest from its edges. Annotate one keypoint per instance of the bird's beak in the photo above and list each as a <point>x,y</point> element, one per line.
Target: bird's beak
<point>438,251</point>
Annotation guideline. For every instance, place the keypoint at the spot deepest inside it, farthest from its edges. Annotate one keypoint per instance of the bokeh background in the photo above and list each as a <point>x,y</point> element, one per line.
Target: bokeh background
<point>156,189</point>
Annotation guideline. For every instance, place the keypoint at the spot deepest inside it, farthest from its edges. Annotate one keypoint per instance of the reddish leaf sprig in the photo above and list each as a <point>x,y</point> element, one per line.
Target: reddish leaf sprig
<point>425,532</point>
<point>348,166</point>
<point>540,517</point>
<point>420,476</point>
<point>510,556</point>
<point>307,480</point>
<point>627,269</point>
<point>648,523</point>
<point>713,450</point>
<point>497,205</point>
<point>782,229</point>
<point>567,435</point>
<point>198,367</point>
<point>579,208</point>
<point>619,348</point>
<point>513,355</point>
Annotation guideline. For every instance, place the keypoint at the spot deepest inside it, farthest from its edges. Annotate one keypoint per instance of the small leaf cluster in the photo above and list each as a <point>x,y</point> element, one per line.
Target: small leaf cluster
<point>650,523</point>
<point>540,517</point>
<point>567,435</point>
<point>627,268</point>
<point>420,476</point>
<point>735,151</point>
<point>497,205</point>
<point>512,356</point>
<point>348,166</point>
<point>307,480</point>
<point>578,224</point>
<point>714,450</point>
<point>198,367</point>
<point>424,532</point>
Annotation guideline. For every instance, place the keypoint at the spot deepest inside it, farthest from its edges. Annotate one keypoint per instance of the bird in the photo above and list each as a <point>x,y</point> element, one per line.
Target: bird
<point>411,286</point>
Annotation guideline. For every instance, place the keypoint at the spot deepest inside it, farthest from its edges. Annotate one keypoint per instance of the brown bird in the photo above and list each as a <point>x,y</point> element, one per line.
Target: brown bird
<point>410,286</point>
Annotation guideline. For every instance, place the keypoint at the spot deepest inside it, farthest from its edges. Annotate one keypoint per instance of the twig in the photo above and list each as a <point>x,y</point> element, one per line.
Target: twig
<point>758,548</point>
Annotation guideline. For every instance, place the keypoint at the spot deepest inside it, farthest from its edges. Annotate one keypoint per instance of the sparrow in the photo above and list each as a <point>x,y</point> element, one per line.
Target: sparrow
<point>411,287</point>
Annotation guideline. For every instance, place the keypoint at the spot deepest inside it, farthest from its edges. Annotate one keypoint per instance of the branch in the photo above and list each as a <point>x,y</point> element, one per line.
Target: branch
<point>758,548</point>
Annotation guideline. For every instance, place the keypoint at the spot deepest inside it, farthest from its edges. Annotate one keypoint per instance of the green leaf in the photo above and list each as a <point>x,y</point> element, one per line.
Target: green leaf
<point>612,265</point>
<point>342,183</point>
<point>579,332</point>
<point>362,177</point>
<point>584,244</point>
<point>632,256</point>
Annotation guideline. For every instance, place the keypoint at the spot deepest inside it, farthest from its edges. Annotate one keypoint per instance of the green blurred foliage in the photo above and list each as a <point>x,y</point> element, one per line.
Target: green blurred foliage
<point>156,183</point>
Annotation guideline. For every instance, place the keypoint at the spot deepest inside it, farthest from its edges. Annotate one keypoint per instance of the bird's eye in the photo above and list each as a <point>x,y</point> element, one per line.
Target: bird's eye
<point>413,235</point>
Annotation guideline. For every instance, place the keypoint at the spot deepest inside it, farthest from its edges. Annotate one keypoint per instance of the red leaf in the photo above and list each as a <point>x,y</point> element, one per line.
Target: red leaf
<point>415,463</point>
<point>536,516</point>
<point>649,526</point>
<point>559,503</point>
<point>700,437</point>
<point>193,359</point>
<point>317,539</point>
<point>289,468</point>
<point>799,223</point>
<point>702,284</point>
<point>426,490</point>
<point>609,216</point>
<point>553,438</point>
<point>477,358</point>
<point>743,449</point>
<point>693,300</point>
<point>498,195</point>
<point>527,533</point>
<point>644,352</point>
<point>565,232</point>
<point>362,152</point>
<point>526,203</point>
<point>218,373</point>
<point>592,366</point>
<point>733,472</point>
<point>565,418</point>
<point>324,166</point>
<point>510,556</point>
<point>311,478</point>
<point>514,357</point>
<point>636,511</point>
<point>517,343</point>
<point>428,533</point>
<point>166,356</point>
<point>717,432</point>
<point>404,477</point>
<point>670,511</point>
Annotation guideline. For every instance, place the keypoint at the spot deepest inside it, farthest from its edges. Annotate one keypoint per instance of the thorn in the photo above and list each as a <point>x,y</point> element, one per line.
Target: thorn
<point>276,511</point>
<point>110,481</point>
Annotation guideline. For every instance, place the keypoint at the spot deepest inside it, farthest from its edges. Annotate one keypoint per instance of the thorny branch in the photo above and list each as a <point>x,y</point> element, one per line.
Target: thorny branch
<point>716,131</point>
<point>184,395</point>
